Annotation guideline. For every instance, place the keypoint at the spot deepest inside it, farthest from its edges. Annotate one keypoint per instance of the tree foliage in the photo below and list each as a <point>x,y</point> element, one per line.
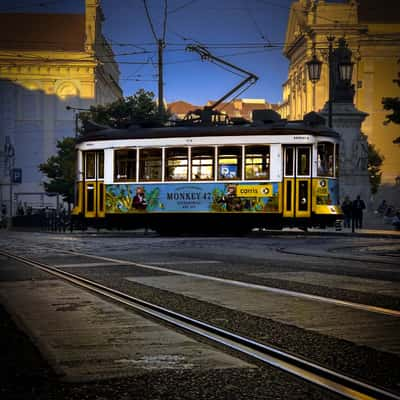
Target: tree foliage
<point>60,170</point>
<point>140,109</point>
<point>392,104</point>
<point>375,160</point>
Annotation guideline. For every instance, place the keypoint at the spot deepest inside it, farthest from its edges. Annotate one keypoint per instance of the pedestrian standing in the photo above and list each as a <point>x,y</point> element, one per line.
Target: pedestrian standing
<point>347,211</point>
<point>357,212</point>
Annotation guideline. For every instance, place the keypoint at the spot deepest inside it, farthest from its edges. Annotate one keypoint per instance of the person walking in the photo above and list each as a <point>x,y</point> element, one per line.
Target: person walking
<point>357,212</point>
<point>347,207</point>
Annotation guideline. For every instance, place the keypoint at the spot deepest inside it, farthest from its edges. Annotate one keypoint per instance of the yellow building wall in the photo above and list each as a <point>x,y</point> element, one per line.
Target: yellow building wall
<point>35,88</point>
<point>376,54</point>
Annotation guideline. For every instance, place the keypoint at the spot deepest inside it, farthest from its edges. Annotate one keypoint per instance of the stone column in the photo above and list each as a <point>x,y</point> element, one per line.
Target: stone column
<point>353,150</point>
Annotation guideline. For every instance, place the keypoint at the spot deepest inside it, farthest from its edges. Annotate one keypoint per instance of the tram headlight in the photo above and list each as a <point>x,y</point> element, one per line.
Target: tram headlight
<point>322,183</point>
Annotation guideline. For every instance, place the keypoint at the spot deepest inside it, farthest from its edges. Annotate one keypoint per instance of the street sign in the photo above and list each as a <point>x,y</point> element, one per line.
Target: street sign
<point>16,175</point>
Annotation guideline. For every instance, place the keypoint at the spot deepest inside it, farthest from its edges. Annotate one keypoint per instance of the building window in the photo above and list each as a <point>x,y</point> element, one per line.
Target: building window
<point>203,163</point>
<point>150,164</point>
<point>229,163</point>
<point>125,165</point>
<point>176,161</point>
<point>257,162</point>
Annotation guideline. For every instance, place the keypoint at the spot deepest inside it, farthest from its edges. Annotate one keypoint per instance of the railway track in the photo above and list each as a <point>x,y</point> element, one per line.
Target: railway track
<point>292,293</point>
<point>337,254</point>
<point>334,381</point>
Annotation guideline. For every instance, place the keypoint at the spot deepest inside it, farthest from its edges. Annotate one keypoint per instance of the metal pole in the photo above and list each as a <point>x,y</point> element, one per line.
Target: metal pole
<point>330,74</point>
<point>11,202</point>
<point>160,78</point>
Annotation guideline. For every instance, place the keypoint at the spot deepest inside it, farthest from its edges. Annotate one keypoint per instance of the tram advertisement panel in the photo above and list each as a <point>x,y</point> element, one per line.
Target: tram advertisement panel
<point>193,197</point>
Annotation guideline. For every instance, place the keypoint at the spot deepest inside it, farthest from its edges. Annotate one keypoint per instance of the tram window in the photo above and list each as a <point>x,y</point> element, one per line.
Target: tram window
<point>125,165</point>
<point>325,155</point>
<point>90,198</point>
<point>100,166</point>
<point>289,152</point>
<point>203,163</point>
<point>303,161</point>
<point>229,163</point>
<point>90,165</point>
<point>150,163</point>
<point>176,161</point>
<point>337,159</point>
<point>257,162</point>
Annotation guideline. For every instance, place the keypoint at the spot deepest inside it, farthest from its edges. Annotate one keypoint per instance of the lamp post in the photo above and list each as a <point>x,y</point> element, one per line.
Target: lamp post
<point>340,70</point>
<point>75,109</point>
<point>9,151</point>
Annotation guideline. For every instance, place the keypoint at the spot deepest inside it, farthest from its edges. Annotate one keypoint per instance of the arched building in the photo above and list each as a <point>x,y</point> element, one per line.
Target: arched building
<point>372,30</point>
<point>47,62</point>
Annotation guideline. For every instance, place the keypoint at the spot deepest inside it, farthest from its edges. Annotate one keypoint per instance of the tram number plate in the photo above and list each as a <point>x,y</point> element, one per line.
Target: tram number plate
<point>322,191</point>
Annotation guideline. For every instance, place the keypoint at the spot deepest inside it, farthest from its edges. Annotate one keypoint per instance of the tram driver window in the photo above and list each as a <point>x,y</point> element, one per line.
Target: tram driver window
<point>125,165</point>
<point>229,163</point>
<point>325,156</point>
<point>257,162</point>
<point>150,162</point>
<point>176,161</point>
<point>303,161</point>
<point>202,163</point>
<point>90,164</point>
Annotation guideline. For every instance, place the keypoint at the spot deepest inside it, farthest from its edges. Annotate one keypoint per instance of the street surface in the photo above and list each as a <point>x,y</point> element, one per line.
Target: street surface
<point>332,299</point>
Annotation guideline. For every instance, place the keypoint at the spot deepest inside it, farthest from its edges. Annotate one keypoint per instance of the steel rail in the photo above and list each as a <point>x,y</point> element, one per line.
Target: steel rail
<point>346,386</point>
<point>333,256</point>
<point>285,292</point>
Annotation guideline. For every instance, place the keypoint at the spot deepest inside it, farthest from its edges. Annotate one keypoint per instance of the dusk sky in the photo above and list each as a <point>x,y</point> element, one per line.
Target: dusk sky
<point>247,33</point>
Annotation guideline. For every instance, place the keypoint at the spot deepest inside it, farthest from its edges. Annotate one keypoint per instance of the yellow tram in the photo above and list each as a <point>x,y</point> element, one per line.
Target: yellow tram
<point>194,178</point>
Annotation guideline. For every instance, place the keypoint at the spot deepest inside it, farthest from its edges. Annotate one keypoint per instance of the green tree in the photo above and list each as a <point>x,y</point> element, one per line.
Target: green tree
<point>60,170</point>
<point>375,160</point>
<point>392,104</point>
<point>141,109</point>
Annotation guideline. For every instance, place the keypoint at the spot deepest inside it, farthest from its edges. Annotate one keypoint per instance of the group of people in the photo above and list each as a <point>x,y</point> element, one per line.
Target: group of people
<point>389,213</point>
<point>353,212</point>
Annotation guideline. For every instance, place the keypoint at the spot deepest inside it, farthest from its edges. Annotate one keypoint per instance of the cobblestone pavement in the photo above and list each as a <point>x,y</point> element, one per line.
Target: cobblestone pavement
<point>359,269</point>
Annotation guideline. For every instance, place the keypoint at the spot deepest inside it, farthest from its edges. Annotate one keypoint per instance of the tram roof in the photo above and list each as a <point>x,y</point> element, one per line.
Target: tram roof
<point>136,132</point>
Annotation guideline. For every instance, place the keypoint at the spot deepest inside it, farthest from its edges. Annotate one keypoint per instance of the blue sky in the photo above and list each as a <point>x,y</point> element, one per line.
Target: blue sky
<point>246,33</point>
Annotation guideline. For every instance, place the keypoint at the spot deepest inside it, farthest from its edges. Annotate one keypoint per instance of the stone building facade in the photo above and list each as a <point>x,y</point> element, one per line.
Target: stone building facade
<point>47,62</point>
<point>372,31</point>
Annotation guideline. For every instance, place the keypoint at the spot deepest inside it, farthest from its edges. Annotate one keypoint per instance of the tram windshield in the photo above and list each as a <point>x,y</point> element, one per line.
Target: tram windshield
<point>325,159</point>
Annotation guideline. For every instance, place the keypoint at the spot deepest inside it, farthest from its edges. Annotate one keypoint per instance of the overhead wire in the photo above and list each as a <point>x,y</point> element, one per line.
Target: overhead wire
<point>252,18</point>
<point>40,4</point>
<point>150,20</point>
<point>174,10</point>
<point>165,20</point>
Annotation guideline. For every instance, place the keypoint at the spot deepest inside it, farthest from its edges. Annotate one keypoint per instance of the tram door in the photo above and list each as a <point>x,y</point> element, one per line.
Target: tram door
<point>297,182</point>
<point>94,196</point>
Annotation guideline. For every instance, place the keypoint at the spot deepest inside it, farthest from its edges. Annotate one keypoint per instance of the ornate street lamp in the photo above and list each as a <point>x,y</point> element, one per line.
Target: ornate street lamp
<point>340,88</point>
<point>314,69</point>
<point>345,66</point>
